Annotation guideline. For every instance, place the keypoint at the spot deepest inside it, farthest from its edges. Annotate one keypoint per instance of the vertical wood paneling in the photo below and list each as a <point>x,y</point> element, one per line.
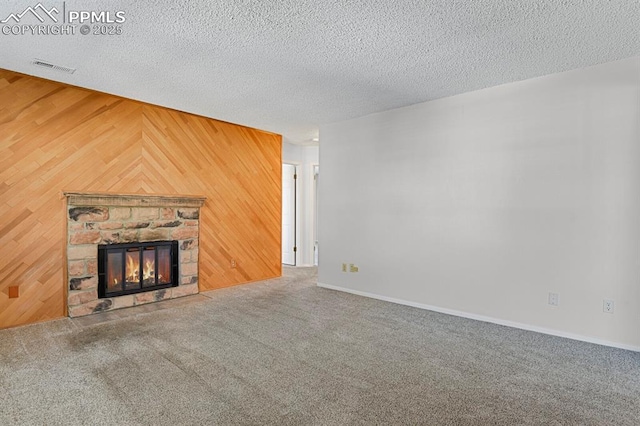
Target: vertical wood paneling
<point>55,137</point>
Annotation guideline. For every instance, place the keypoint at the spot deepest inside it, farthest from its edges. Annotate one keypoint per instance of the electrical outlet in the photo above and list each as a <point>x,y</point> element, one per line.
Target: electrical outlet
<point>353,268</point>
<point>233,263</point>
<point>554,299</point>
<point>344,267</point>
<point>14,292</point>
<point>607,306</point>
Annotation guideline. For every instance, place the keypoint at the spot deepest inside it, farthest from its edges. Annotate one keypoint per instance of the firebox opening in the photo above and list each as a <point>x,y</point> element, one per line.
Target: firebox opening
<point>136,267</point>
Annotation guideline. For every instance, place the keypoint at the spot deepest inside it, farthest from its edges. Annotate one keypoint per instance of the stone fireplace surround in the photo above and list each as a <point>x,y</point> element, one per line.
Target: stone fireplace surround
<point>105,218</point>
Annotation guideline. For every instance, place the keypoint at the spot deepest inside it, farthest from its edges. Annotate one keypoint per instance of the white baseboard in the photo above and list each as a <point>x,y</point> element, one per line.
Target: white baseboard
<point>486,319</point>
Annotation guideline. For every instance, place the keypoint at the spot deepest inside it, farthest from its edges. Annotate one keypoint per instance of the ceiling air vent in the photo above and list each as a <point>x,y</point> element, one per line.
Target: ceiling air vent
<point>45,64</point>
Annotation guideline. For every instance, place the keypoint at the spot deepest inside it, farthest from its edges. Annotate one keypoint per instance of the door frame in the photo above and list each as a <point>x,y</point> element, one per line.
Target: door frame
<point>315,170</point>
<point>295,215</point>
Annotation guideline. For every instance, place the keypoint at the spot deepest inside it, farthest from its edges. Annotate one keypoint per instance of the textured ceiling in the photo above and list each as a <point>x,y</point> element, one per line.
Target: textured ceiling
<point>288,66</point>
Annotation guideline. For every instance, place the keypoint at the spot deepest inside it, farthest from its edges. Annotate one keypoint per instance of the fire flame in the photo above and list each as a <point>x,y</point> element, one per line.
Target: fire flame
<point>149,269</point>
<point>133,269</point>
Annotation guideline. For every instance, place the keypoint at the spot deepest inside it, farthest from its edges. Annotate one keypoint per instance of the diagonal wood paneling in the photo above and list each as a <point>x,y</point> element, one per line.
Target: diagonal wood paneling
<point>55,137</point>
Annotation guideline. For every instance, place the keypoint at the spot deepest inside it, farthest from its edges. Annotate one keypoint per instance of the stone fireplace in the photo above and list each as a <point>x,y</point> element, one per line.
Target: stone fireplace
<point>128,249</point>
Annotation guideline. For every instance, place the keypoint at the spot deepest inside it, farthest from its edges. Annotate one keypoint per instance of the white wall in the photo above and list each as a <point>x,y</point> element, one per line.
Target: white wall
<point>304,157</point>
<point>483,203</point>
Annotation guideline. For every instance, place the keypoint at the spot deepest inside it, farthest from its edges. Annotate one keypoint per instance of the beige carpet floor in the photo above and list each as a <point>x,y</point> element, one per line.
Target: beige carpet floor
<point>285,352</point>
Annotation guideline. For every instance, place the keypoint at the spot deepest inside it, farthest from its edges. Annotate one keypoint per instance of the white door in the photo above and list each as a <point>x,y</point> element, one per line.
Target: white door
<point>289,214</point>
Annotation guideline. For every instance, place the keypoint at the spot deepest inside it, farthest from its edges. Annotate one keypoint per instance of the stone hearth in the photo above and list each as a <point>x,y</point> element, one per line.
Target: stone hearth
<point>99,218</point>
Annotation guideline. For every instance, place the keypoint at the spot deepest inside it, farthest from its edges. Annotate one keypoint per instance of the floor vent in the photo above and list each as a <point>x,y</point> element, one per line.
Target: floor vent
<point>51,66</point>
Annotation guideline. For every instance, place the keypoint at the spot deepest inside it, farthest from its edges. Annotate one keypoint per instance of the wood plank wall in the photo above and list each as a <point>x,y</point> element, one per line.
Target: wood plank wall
<point>56,137</point>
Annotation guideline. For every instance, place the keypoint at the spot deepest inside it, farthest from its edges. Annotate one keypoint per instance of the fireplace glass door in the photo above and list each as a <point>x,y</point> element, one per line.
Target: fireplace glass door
<point>133,268</point>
